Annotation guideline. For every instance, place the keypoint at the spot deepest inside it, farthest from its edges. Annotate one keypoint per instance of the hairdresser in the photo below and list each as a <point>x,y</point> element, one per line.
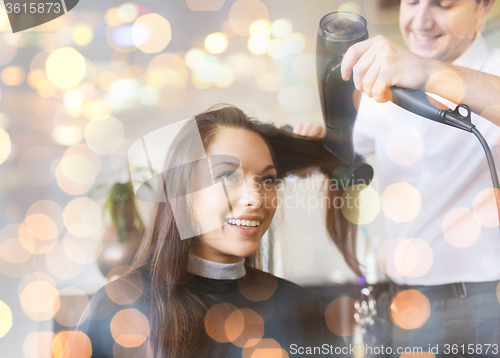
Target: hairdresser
<point>442,235</point>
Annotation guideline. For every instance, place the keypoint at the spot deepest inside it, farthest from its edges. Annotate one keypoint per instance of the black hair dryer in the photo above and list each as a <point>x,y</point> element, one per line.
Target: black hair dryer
<point>337,32</point>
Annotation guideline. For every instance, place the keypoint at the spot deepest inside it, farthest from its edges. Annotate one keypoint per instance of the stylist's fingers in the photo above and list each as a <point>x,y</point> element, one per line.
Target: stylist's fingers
<point>316,131</point>
<point>306,127</point>
<point>381,92</point>
<point>298,128</point>
<point>360,69</point>
<point>370,78</point>
<point>352,56</point>
<point>310,129</point>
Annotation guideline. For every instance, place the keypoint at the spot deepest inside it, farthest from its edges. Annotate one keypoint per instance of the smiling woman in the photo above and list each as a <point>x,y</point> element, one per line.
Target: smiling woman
<point>203,295</point>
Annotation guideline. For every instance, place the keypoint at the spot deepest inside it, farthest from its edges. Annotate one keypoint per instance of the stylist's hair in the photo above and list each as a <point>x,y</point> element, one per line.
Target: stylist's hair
<point>177,328</point>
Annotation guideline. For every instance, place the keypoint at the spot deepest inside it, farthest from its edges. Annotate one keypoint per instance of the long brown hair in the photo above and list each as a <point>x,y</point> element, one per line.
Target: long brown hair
<point>176,314</point>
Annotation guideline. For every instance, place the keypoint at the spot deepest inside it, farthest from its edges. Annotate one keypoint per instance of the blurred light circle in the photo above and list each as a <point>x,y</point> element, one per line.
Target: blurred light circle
<point>60,265</point>
<point>4,19</point>
<point>269,81</point>
<point>225,77</point>
<point>215,320</point>
<point>339,316</point>
<point>409,309</point>
<point>123,94</point>
<point>296,99</point>
<point>12,251</point>
<point>34,166</point>
<point>125,294</point>
<point>258,45</point>
<point>216,42</point>
<point>485,207</point>
<point>42,226</point>
<point>194,58</point>
<point>82,250</point>
<point>401,202</point>
<point>13,75</point>
<point>40,300</point>
<point>5,319</point>
<point>82,35</point>
<point>159,29</point>
<point>112,17</point>
<point>82,217</point>
<point>277,49</point>
<point>73,98</point>
<point>140,34</point>
<point>65,67</point>
<point>243,13</point>
<point>37,343</point>
<point>149,96</point>
<point>404,145</point>
<point>294,43</point>
<point>205,5</point>
<point>33,244</point>
<point>413,257</point>
<point>7,52</point>
<point>5,145</point>
<point>73,304</point>
<point>127,12</point>
<point>50,209</point>
<point>96,109</point>
<point>70,186</point>
<point>129,328</point>
<point>105,136</point>
<point>360,204</point>
<point>281,28</point>
<point>265,347</point>
<point>304,67</point>
<point>122,36</point>
<point>244,327</point>
<point>67,135</point>
<point>461,227</point>
<point>349,7</point>
<point>78,169</point>
<point>260,27</point>
<point>80,347</point>
<point>261,293</point>
<point>4,121</point>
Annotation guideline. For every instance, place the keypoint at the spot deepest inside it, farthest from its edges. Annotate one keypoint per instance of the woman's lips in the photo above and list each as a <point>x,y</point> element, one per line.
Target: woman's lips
<point>246,232</point>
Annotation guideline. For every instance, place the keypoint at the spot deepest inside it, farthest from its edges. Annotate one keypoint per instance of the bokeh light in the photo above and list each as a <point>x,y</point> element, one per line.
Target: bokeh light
<point>38,344</point>
<point>461,227</point>
<point>13,75</point>
<point>129,327</point>
<point>339,316</point>
<point>65,67</point>
<point>260,27</point>
<point>216,42</point>
<point>127,12</point>
<point>82,217</point>
<point>80,179</point>
<point>5,319</point>
<point>73,303</point>
<point>40,300</point>
<point>413,257</point>
<point>361,204</point>
<point>105,135</point>
<point>485,207</point>
<point>244,327</point>
<point>82,250</point>
<point>160,33</point>
<point>60,265</point>
<point>404,145</point>
<point>281,28</point>
<point>294,43</point>
<point>128,293</point>
<point>277,49</point>
<point>71,344</point>
<point>349,7</point>
<point>258,45</point>
<point>5,145</point>
<point>258,292</point>
<point>264,348</point>
<point>82,35</point>
<point>67,135</point>
<point>401,202</point>
<point>409,309</point>
<point>215,320</point>
<point>245,12</point>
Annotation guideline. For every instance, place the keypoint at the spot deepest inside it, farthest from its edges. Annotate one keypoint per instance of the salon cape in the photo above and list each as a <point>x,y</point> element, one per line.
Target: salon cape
<point>292,315</point>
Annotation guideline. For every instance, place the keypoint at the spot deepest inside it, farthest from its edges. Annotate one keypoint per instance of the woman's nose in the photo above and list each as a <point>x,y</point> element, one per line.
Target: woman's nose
<point>252,195</point>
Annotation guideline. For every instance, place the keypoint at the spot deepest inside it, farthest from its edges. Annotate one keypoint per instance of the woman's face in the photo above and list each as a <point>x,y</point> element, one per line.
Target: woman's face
<point>244,177</point>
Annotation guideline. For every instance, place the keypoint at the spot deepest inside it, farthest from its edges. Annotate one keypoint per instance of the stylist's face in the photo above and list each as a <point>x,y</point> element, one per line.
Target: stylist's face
<point>245,166</point>
<point>439,29</point>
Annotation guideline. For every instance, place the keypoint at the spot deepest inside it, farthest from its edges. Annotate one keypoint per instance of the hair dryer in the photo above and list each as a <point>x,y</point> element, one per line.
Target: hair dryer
<point>337,32</point>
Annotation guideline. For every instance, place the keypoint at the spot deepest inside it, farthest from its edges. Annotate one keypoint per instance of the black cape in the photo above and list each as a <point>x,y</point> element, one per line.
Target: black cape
<point>292,315</point>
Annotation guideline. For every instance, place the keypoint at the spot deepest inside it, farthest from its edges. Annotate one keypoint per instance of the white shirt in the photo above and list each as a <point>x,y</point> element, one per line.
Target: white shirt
<point>430,177</point>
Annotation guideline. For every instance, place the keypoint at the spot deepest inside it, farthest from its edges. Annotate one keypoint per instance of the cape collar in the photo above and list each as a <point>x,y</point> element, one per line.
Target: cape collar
<point>215,270</point>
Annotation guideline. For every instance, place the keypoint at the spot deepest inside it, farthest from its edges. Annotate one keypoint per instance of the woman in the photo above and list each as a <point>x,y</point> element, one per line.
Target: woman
<point>203,296</point>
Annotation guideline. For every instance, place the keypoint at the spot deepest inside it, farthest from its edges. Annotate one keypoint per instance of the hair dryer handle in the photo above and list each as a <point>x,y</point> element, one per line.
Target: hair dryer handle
<point>416,101</point>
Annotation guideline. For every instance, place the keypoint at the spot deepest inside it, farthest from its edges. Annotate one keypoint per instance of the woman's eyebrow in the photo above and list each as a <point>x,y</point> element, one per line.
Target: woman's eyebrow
<point>270,166</point>
<point>232,164</point>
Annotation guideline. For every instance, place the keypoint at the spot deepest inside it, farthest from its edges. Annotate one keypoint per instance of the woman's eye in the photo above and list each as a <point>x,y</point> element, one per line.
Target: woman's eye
<point>229,176</point>
<point>409,2</point>
<point>269,180</point>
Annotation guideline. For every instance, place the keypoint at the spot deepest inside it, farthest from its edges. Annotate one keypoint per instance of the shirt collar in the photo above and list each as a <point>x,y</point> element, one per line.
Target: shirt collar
<point>474,56</point>
<point>215,270</point>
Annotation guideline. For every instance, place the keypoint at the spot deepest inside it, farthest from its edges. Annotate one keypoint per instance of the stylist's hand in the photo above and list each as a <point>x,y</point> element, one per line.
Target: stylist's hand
<point>378,64</point>
<point>310,129</point>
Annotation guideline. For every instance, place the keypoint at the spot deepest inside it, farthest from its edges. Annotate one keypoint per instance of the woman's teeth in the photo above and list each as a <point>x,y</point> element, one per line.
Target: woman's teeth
<point>244,223</point>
